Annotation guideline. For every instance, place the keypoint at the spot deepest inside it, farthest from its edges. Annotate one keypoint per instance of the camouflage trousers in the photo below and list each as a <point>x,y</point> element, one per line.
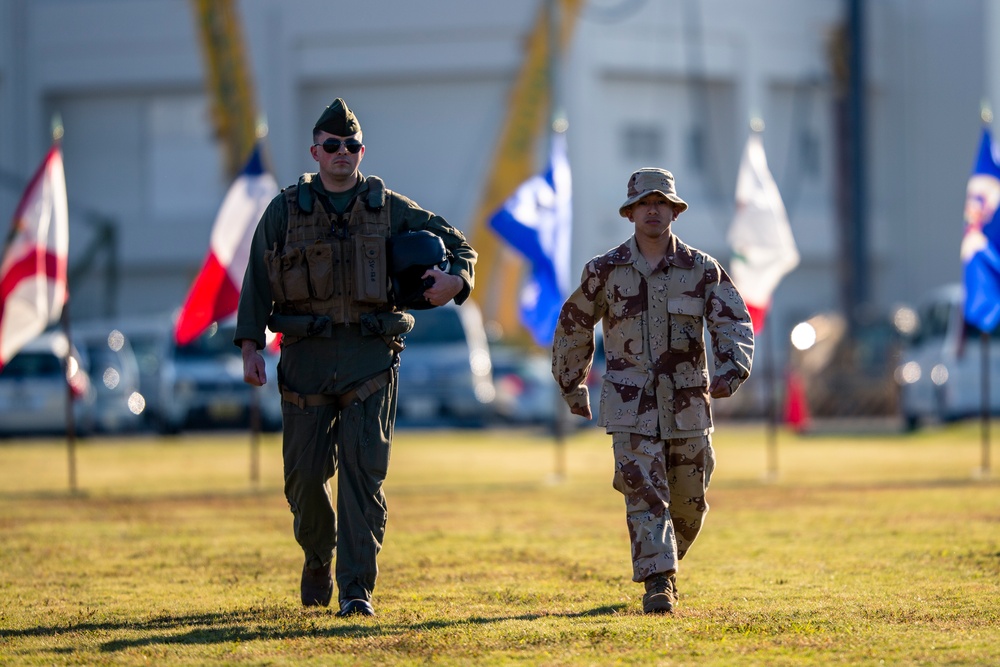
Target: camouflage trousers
<point>664,483</point>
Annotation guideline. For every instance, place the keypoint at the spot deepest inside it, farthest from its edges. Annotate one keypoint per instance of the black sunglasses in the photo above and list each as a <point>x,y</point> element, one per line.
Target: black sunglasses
<point>333,145</point>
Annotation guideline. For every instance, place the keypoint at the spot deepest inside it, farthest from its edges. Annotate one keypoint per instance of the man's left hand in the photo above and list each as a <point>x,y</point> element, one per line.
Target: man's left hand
<point>445,286</point>
<point>719,388</point>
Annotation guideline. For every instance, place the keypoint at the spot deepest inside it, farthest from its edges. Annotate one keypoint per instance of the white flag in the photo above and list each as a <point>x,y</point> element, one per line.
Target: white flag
<point>760,236</point>
<point>33,268</point>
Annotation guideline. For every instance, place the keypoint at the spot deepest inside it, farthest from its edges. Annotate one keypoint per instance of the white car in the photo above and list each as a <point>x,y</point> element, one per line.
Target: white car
<point>940,374</point>
<point>119,401</point>
<point>445,372</point>
<point>34,390</point>
<point>201,385</point>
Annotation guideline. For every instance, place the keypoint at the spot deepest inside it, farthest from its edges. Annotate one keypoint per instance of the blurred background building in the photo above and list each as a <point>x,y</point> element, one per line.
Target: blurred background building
<point>872,112</point>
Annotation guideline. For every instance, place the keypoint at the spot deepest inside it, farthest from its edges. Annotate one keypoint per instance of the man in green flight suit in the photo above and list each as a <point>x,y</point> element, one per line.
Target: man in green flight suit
<point>318,274</point>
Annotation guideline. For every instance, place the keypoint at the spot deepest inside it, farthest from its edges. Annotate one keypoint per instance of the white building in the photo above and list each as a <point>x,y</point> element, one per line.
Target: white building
<point>668,83</point>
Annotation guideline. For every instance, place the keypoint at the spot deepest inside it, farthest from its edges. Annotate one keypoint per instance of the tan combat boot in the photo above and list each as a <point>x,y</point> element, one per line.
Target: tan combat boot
<point>660,597</point>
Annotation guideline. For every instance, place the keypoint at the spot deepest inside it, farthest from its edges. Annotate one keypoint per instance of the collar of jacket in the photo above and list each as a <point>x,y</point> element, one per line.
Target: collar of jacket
<point>310,185</point>
<point>678,254</point>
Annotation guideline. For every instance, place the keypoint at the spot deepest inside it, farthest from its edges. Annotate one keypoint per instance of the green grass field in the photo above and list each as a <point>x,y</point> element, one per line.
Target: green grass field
<point>866,550</point>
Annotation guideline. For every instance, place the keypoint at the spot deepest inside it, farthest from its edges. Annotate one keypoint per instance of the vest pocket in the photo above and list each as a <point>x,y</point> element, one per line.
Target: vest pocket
<point>370,269</point>
<point>319,258</point>
<point>294,275</point>
<point>272,260</point>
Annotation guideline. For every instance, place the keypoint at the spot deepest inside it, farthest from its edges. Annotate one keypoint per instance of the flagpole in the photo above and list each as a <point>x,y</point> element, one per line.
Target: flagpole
<point>771,473</point>
<point>555,99</point>
<point>70,419</point>
<point>255,429</point>
<point>986,114</point>
<point>57,134</point>
<point>984,342</point>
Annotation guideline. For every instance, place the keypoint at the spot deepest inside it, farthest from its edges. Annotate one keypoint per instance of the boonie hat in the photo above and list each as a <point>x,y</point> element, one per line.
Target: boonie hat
<point>338,119</point>
<point>648,180</point>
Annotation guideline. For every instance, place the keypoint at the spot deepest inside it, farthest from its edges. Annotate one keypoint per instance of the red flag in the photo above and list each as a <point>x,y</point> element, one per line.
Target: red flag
<point>33,268</point>
<point>216,290</point>
<point>760,236</point>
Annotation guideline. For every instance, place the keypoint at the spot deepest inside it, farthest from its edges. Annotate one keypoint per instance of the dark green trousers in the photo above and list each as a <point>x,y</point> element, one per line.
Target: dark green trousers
<point>351,444</point>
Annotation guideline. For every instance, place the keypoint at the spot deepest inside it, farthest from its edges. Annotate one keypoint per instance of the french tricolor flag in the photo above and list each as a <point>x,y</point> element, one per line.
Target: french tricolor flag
<point>215,293</point>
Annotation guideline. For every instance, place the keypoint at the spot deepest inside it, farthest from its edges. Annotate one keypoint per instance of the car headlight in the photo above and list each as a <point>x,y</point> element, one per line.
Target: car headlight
<point>908,373</point>
<point>479,361</point>
<point>136,403</point>
<point>111,377</point>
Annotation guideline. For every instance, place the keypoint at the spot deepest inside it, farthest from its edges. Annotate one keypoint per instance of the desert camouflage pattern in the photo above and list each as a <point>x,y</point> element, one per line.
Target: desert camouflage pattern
<point>653,320</point>
<point>664,484</point>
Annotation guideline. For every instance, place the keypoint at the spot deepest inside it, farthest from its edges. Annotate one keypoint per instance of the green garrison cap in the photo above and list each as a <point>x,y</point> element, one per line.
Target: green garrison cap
<point>338,119</point>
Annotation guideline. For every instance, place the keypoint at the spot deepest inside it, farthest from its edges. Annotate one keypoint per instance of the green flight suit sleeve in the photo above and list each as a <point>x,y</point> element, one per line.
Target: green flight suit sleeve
<point>255,295</point>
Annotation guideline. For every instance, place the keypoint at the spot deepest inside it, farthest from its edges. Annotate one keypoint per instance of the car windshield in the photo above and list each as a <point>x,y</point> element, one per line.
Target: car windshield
<point>33,364</point>
<point>436,326</point>
<point>214,342</point>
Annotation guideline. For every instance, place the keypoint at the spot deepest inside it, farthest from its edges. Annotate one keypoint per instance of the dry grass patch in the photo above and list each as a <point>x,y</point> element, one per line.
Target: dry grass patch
<point>866,549</point>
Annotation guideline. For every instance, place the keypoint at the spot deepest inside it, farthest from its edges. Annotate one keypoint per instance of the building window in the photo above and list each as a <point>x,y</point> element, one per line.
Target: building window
<point>809,152</point>
<point>696,150</point>
<point>643,143</point>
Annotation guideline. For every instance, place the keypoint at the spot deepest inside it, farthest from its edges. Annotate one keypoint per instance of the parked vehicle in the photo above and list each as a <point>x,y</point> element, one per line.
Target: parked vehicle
<point>940,375</point>
<point>845,374</point>
<point>119,404</point>
<point>202,384</point>
<point>149,339</point>
<point>445,371</point>
<point>199,385</point>
<point>33,388</point>
<point>526,392</point>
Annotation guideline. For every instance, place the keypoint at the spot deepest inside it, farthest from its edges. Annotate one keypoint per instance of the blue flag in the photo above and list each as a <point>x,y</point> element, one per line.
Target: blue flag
<point>981,241</point>
<point>537,221</point>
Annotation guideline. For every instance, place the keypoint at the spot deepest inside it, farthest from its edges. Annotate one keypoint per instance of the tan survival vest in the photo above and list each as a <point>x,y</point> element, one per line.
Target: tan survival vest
<point>332,265</point>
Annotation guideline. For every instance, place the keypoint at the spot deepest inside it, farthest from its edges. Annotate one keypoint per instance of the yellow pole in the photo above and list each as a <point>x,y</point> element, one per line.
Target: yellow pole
<point>498,268</point>
<point>229,81</point>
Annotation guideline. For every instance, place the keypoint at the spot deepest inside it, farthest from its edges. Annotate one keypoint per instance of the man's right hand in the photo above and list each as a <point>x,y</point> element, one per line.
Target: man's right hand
<point>253,364</point>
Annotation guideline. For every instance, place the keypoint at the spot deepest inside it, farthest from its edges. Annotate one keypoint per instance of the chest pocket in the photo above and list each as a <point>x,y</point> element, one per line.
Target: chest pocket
<point>686,324</point>
<point>626,296</point>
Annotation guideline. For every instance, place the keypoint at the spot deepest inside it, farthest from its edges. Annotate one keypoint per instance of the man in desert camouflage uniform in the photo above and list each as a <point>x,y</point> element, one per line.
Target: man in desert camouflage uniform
<point>654,295</point>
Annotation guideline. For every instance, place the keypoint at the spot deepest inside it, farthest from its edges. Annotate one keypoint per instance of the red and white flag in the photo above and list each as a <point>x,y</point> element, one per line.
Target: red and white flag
<point>760,236</point>
<point>33,268</point>
<point>215,293</point>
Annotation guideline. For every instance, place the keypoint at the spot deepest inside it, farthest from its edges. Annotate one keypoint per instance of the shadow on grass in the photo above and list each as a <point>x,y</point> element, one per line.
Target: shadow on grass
<point>267,623</point>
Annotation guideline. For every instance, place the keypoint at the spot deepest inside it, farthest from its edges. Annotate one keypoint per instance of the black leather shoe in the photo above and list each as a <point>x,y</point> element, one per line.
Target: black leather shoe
<point>317,586</point>
<point>355,606</point>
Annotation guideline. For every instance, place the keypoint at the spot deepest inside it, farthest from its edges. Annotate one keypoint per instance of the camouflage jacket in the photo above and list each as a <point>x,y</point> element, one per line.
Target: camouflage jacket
<point>653,320</point>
